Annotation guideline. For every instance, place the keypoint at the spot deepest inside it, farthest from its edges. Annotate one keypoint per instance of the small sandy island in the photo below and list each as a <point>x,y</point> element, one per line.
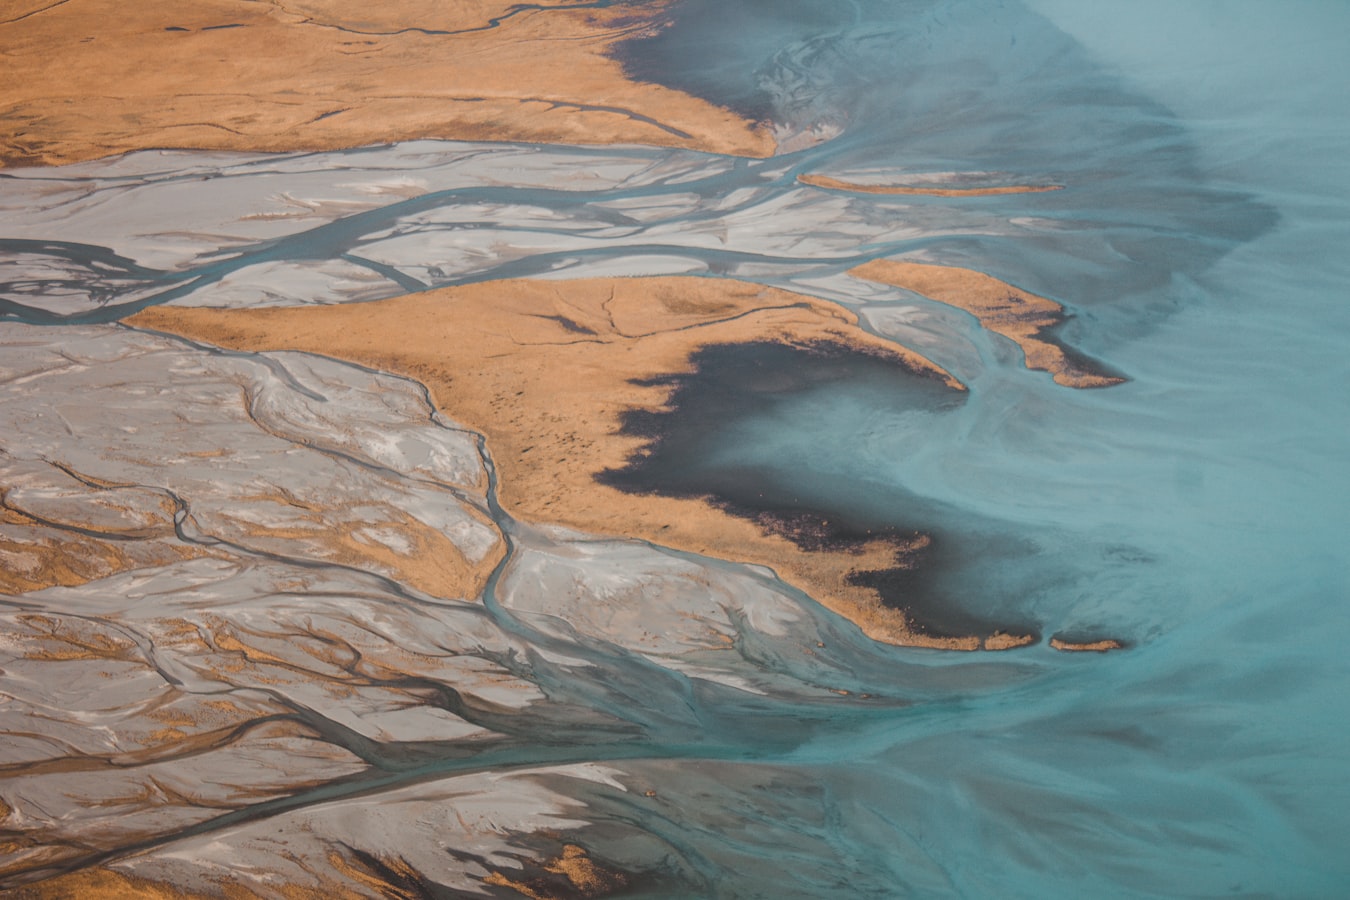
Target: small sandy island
<point>547,370</point>
<point>91,78</point>
<point>1102,645</point>
<point>836,184</point>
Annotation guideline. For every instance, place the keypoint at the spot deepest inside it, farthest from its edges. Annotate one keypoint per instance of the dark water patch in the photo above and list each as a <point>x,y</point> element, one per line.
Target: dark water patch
<point>732,380</point>
<point>714,50</point>
<point>925,584</point>
<point>819,511</point>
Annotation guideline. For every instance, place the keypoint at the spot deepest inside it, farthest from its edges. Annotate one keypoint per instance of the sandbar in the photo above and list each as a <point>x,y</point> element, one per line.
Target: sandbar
<point>1098,646</point>
<point>835,184</point>
<point>1022,317</point>
<point>86,79</point>
<point>547,370</point>
<point>110,884</point>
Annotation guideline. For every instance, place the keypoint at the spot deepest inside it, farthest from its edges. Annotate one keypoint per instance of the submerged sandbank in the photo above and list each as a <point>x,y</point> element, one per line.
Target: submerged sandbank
<point>109,474</point>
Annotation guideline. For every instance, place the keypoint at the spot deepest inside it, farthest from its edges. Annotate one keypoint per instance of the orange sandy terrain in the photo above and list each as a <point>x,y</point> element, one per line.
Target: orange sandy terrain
<point>49,556</point>
<point>547,369</point>
<point>85,79</point>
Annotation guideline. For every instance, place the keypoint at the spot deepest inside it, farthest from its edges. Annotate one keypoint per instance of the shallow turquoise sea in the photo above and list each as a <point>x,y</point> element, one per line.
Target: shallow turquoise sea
<point>1199,511</point>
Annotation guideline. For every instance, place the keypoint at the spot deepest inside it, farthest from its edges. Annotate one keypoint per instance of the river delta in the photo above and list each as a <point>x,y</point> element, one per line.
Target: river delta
<point>796,449</point>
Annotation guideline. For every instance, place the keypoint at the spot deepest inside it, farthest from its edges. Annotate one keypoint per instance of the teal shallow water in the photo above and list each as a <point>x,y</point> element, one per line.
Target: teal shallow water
<point>1199,510</point>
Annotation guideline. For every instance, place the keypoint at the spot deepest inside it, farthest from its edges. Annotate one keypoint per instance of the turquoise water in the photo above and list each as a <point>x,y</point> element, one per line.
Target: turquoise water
<point>1199,511</point>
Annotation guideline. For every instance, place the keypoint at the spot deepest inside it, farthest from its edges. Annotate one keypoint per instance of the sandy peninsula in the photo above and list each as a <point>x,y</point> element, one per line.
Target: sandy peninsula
<point>91,78</point>
<point>1022,317</point>
<point>547,370</point>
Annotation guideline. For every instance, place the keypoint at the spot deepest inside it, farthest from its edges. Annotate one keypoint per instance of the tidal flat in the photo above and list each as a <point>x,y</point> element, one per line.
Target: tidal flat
<point>795,449</point>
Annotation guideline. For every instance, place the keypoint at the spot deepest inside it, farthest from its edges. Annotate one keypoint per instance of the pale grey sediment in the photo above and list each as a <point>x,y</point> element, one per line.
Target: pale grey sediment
<point>250,452</point>
<point>453,832</point>
<point>203,693</point>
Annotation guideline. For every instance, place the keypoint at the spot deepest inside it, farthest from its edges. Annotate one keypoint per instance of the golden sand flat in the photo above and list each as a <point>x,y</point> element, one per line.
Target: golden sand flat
<point>92,78</point>
<point>547,369</point>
